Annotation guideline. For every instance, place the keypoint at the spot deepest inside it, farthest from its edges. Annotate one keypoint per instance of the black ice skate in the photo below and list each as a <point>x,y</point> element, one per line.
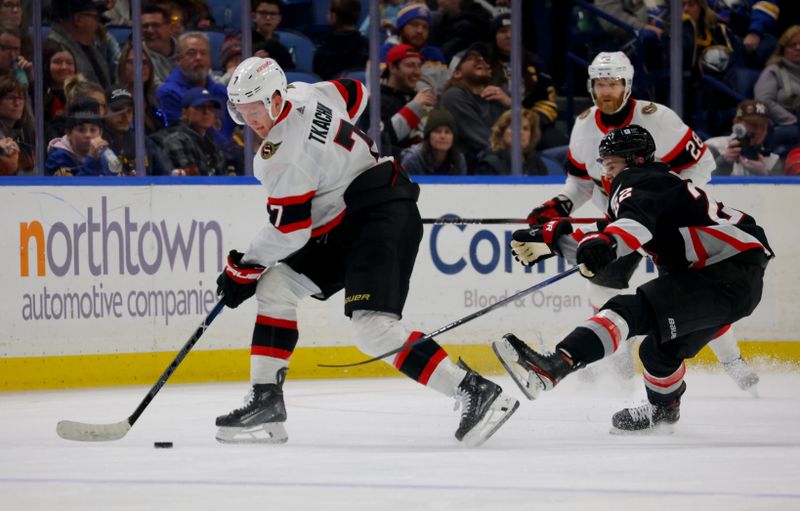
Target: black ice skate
<point>260,420</point>
<point>531,371</point>
<point>646,418</point>
<point>743,375</point>
<point>484,408</point>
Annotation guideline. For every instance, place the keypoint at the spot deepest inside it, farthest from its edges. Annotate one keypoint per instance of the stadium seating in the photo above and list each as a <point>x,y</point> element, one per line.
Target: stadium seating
<point>301,48</point>
<point>120,33</point>
<point>215,40</point>
<point>302,76</point>
<point>230,23</point>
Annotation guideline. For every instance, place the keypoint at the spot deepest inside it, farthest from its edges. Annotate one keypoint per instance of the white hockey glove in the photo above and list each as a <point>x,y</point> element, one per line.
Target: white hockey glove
<point>533,245</point>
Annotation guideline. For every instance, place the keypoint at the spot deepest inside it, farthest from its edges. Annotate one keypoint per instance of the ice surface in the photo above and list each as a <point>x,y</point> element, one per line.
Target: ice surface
<point>388,444</point>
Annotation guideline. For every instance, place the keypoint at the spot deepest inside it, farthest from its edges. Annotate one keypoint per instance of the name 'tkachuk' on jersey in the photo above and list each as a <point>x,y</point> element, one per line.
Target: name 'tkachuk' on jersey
<point>311,155</point>
<point>677,145</point>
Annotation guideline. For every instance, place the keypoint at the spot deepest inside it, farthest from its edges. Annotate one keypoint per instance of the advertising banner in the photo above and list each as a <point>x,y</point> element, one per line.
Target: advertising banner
<point>132,269</point>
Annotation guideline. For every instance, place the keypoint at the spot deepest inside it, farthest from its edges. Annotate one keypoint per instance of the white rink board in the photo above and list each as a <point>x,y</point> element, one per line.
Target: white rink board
<point>139,309</point>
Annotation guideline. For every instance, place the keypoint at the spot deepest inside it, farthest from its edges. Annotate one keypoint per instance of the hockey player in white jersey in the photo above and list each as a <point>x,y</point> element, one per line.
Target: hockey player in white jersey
<point>337,217</point>
<point>677,145</point>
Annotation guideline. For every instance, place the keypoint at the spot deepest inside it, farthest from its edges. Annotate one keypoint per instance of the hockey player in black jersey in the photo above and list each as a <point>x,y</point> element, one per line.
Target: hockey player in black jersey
<point>711,261</point>
<point>337,217</point>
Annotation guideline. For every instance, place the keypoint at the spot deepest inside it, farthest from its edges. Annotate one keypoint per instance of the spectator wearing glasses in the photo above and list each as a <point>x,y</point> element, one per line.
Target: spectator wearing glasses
<point>157,35</point>
<point>76,27</point>
<point>13,14</point>
<point>193,70</point>
<point>266,43</point>
<point>474,103</point>
<point>16,129</point>
<point>11,60</point>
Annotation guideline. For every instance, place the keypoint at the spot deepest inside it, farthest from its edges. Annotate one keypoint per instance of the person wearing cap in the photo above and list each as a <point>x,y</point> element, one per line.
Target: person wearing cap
<point>742,153</point>
<point>79,152</point>
<point>193,70</point>
<point>437,153</point>
<point>539,91</point>
<point>413,28</point>
<point>458,23</point>
<point>75,26</point>
<point>188,147</point>
<point>402,108</point>
<point>120,135</point>
<point>343,48</point>
<point>475,104</point>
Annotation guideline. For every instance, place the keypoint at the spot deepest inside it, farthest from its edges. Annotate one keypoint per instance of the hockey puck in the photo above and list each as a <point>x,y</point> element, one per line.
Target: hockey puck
<point>162,445</point>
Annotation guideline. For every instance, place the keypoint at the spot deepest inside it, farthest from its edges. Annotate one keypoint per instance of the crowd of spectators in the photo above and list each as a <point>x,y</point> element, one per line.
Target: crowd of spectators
<point>445,88</point>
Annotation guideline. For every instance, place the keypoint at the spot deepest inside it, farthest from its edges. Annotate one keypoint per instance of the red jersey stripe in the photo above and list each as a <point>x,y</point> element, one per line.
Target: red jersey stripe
<point>292,199</point>
<point>629,239</point>
<point>296,226</point>
<point>319,231</point>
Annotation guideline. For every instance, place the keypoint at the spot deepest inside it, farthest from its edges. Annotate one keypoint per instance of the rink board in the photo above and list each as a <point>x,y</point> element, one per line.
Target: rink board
<point>104,282</point>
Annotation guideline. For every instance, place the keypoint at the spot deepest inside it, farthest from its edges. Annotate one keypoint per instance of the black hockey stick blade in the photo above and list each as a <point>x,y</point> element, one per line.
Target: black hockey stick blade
<point>453,220</point>
<point>463,320</point>
<point>85,432</point>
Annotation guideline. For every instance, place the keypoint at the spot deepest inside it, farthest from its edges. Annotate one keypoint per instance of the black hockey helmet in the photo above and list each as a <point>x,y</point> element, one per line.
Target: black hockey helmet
<point>628,142</point>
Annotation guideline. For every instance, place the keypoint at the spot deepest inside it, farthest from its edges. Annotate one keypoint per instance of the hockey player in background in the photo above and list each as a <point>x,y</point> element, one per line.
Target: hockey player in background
<point>338,217</point>
<point>711,261</point>
<point>677,145</point>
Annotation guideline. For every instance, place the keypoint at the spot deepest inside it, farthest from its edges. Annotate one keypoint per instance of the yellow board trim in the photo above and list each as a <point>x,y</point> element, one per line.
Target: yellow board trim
<point>34,373</point>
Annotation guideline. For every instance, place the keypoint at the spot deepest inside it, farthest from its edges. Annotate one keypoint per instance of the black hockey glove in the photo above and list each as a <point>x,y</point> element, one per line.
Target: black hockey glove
<point>556,207</point>
<point>595,251</point>
<point>238,281</point>
<point>533,245</point>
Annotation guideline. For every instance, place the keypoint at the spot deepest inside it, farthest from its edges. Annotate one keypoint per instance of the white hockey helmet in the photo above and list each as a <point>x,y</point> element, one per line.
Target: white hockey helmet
<point>611,65</point>
<point>255,79</point>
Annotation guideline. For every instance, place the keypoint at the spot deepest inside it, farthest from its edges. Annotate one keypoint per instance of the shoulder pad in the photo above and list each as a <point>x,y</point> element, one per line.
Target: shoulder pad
<point>585,113</point>
<point>649,108</point>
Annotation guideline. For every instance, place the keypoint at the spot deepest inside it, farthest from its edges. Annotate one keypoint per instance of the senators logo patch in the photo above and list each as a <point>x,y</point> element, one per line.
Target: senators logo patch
<point>649,109</point>
<point>269,149</point>
<point>585,114</point>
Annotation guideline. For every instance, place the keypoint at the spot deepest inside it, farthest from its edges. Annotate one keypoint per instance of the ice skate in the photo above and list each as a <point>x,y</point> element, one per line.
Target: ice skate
<point>531,371</point>
<point>743,375</point>
<point>260,420</point>
<point>646,418</point>
<point>484,408</point>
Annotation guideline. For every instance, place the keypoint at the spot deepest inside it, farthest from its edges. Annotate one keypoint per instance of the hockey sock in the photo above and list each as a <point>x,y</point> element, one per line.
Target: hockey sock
<point>596,338</point>
<point>724,345</point>
<point>427,363</point>
<point>664,390</point>
<point>273,343</point>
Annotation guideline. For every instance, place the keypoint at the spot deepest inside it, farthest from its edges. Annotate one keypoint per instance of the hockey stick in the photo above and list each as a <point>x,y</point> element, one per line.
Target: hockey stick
<point>70,430</point>
<point>463,320</point>
<point>492,221</point>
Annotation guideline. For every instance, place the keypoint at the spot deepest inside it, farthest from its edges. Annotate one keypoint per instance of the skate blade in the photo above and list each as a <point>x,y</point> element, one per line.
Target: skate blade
<point>499,412</point>
<point>528,382</point>
<point>658,430</point>
<point>268,433</point>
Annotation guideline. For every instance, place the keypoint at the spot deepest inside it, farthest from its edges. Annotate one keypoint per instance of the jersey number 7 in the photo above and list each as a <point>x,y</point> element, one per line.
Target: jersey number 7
<point>344,138</point>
